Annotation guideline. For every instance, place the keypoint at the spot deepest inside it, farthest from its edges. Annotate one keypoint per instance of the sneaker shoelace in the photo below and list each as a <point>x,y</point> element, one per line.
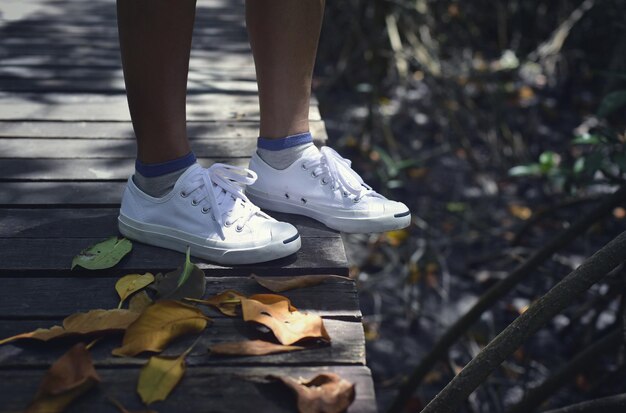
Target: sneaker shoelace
<point>337,171</point>
<point>231,181</point>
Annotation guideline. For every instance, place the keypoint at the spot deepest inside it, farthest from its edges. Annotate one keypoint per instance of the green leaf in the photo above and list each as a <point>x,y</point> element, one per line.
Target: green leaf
<point>184,282</point>
<point>104,254</point>
<point>532,169</point>
<point>587,139</point>
<point>579,165</point>
<point>548,160</point>
<point>612,102</point>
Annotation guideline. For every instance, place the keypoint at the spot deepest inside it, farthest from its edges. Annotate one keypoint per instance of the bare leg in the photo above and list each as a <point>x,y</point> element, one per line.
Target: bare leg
<point>155,41</point>
<point>284,36</point>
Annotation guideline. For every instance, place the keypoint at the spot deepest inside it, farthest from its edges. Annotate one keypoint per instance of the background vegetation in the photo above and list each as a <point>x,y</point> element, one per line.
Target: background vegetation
<point>500,123</point>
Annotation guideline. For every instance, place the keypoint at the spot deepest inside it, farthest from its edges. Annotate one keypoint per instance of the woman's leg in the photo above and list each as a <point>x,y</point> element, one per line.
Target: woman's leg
<point>155,41</point>
<point>284,36</point>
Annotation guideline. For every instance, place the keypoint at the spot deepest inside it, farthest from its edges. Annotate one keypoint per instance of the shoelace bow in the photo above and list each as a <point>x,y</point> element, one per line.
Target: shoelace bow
<point>232,180</point>
<point>338,170</point>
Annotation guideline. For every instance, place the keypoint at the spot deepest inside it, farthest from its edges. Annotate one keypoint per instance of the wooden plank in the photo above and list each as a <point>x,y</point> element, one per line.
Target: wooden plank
<point>79,169</point>
<point>55,298</point>
<point>347,346</point>
<point>124,130</point>
<point>94,107</point>
<point>115,148</point>
<point>51,257</point>
<point>102,222</point>
<point>203,389</point>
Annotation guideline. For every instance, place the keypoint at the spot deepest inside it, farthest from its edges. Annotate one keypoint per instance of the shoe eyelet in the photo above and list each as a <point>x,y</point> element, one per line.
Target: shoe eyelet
<point>303,200</point>
<point>303,166</point>
<point>287,195</point>
<point>238,228</point>
<point>205,210</point>
<point>194,202</point>
<point>356,200</point>
<point>324,181</point>
<point>184,194</point>
<point>313,174</point>
<point>345,194</point>
<point>227,224</point>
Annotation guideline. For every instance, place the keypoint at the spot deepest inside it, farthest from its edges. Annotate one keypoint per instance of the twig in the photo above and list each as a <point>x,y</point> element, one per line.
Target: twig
<point>611,404</point>
<point>566,373</point>
<point>539,313</point>
<point>456,330</point>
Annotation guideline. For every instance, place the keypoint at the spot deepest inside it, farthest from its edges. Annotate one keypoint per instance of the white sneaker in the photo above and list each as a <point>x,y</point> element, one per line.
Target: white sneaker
<point>323,186</point>
<point>208,211</point>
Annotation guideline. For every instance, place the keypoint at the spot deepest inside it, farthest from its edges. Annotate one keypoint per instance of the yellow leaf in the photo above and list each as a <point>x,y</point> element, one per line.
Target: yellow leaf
<point>287,324</point>
<point>92,322</point>
<point>159,377</point>
<point>280,284</point>
<point>226,302</point>
<point>520,211</point>
<point>69,377</point>
<point>139,302</point>
<point>326,393</point>
<point>251,348</point>
<point>131,283</point>
<point>159,324</point>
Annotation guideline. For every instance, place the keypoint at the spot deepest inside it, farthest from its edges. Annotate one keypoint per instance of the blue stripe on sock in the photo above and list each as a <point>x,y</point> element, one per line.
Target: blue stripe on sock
<point>284,143</point>
<point>150,170</point>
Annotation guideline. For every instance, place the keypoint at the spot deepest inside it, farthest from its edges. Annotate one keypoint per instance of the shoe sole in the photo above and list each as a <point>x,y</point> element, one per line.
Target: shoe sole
<point>172,239</point>
<point>347,225</point>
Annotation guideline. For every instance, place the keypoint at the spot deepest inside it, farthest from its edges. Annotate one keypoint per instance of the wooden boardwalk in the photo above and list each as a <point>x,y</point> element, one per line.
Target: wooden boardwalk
<point>66,149</point>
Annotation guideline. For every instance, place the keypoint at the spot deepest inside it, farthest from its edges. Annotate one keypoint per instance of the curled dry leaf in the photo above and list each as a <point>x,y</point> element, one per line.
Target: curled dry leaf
<point>287,324</point>
<point>69,377</point>
<point>104,254</point>
<point>226,302</point>
<point>159,324</point>
<point>251,348</point>
<point>132,283</point>
<point>280,284</point>
<point>139,302</point>
<point>185,281</point>
<point>159,377</point>
<point>325,393</point>
<point>91,322</point>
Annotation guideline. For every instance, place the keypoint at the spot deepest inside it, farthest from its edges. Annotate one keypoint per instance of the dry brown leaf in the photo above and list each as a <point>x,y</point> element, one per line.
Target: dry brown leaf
<point>69,377</point>
<point>91,322</point>
<point>159,324</point>
<point>139,302</point>
<point>132,283</point>
<point>325,393</point>
<point>287,324</point>
<point>280,284</point>
<point>251,348</point>
<point>226,302</point>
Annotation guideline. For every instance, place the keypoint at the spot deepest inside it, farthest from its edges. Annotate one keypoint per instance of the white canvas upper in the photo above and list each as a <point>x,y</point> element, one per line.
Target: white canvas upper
<point>322,185</point>
<point>208,211</point>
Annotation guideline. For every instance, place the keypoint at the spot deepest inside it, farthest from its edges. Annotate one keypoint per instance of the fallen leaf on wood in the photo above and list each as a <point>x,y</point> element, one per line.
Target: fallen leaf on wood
<point>159,377</point>
<point>91,322</point>
<point>139,302</point>
<point>122,409</point>
<point>69,377</point>
<point>185,281</point>
<point>104,254</point>
<point>280,284</point>
<point>287,324</point>
<point>159,324</point>
<point>325,393</point>
<point>132,283</point>
<point>251,348</point>
<point>226,302</point>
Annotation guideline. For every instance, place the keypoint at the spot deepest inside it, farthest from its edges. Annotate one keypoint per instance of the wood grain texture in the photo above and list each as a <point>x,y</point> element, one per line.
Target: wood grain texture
<point>47,297</point>
<point>347,346</point>
<point>203,389</point>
